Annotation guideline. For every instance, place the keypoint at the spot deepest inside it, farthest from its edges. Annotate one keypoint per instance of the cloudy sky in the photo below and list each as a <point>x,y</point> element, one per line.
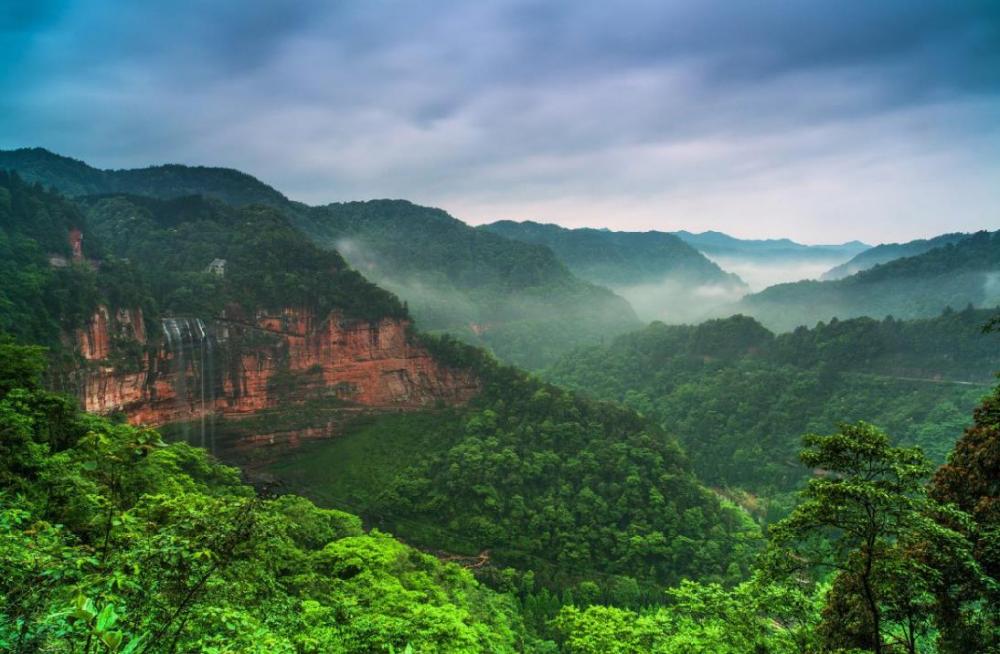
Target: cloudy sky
<point>821,121</point>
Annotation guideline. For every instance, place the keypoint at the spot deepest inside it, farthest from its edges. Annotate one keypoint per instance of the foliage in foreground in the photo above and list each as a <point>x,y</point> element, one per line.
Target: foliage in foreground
<point>111,541</point>
<point>871,560</point>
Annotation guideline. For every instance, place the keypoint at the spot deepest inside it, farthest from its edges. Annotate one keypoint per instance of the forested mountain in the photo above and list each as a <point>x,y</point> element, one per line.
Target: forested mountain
<point>618,258</point>
<point>573,490</point>
<point>515,298</point>
<point>889,252</point>
<point>956,274</point>
<point>155,255</point>
<point>75,178</point>
<point>739,397</point>
<point>564,489</point>
<point>660,275</point>
<point>724,245</point>
<point>109,536</point>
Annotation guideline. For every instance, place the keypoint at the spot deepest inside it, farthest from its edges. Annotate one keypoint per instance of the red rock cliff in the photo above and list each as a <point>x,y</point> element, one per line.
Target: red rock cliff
<point>238,365</point>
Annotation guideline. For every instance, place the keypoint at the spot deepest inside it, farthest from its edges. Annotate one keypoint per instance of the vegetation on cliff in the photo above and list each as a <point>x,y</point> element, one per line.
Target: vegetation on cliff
<point>46,290</point>
<point>112,541</point>
<point>268,263</point>
<point>575,490</point>
<point>155,255</point>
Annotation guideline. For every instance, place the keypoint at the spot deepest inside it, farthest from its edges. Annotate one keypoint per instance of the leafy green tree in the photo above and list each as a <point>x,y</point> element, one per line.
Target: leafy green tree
<point>856,516</point>
<point>968,596</point>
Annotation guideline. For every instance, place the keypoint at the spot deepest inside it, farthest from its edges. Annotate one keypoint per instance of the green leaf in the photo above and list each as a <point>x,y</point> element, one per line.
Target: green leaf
<point>113,639</point>
<point>107,618</point>
<point>133,645</point>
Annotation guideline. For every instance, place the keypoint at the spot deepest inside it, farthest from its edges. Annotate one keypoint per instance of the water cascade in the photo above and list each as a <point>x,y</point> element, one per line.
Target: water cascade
<point>193,351</point>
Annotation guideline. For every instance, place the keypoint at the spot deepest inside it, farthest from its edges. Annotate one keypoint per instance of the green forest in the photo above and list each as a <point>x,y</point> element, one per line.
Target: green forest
<point>731,486</point>
<point>499,327</point>
<point>739,397</point>
<point>519,300</point>
<point>112,540</point>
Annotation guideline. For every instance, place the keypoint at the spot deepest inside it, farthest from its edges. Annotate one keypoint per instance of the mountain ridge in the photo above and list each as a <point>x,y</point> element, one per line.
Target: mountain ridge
<point>886,252</point>
<point>515,299</point>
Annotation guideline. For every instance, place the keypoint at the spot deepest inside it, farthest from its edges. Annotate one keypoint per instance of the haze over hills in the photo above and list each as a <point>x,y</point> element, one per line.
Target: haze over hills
<point>765,262</point>
<point>956,274</point>
<point>659,274</point>
<point>517,299</point>
<point>887,252</point>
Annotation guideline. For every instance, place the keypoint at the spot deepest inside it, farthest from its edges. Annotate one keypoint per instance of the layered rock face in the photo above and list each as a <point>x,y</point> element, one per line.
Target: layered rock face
<point>237,365</point>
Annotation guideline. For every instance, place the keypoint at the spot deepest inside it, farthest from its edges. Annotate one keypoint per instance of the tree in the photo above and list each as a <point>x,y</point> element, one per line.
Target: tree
<point>866,498</point>
<point>968,600</point>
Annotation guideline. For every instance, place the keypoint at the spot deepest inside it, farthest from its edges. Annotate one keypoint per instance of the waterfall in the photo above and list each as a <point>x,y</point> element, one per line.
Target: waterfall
<point>193,351</point>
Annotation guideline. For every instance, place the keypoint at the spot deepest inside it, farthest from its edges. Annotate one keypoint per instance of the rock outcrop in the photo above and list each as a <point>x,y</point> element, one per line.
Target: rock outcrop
<point>237,365</point>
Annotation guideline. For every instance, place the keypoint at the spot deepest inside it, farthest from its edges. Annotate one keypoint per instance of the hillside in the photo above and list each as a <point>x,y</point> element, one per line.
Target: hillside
<point>659,274</point>
<point>112,540</point>
<point>889,252</point>
<point>739,397</point>
<point>956,274</point>
<point>516,299</point>
<point>575,491</point>
<point>75,178</point>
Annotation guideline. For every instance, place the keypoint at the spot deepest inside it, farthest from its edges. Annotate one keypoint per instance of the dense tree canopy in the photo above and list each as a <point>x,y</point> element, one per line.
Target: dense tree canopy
<point>112,541</point>
<point>739,397</point>
<point>545,480</point>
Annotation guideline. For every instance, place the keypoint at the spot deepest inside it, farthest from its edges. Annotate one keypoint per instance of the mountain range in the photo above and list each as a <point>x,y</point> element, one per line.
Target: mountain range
<point>723,245</point>
<point>515,298</point>
<point>658,273</point>
<point>960,273</point>
<point>887,252</point>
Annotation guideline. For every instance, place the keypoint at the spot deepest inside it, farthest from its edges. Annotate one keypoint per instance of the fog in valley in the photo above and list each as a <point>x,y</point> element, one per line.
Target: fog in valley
<point>760,273</point>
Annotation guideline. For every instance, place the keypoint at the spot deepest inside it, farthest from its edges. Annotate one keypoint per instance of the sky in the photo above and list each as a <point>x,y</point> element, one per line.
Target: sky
<point>818,121</point>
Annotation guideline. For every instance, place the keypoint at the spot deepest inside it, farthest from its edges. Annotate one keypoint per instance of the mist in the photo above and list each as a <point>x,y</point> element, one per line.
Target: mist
<point>759,273</point>
<point>672,301</point>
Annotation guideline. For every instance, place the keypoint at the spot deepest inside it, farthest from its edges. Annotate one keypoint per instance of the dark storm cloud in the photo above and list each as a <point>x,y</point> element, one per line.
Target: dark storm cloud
<point>756,117</point>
